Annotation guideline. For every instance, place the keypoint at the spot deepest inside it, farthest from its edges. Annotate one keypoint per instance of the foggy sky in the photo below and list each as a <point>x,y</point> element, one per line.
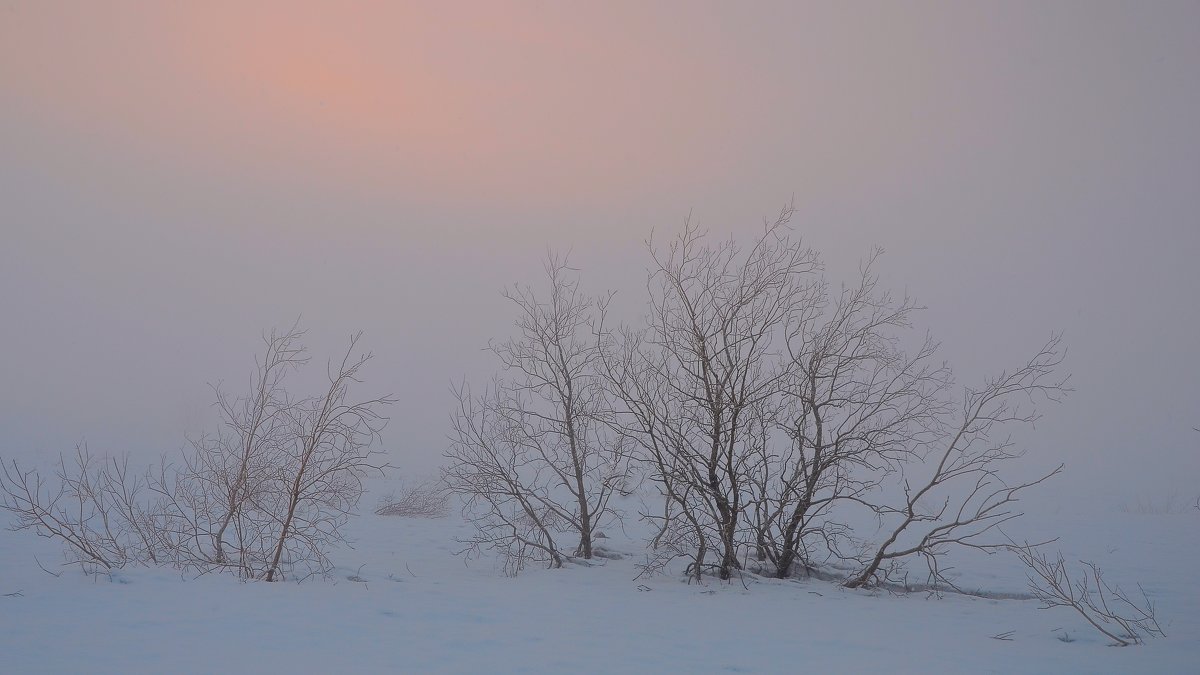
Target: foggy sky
<point>175,178</point>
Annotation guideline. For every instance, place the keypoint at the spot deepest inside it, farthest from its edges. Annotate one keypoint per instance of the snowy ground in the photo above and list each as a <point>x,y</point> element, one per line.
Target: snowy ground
<point>421,609</point>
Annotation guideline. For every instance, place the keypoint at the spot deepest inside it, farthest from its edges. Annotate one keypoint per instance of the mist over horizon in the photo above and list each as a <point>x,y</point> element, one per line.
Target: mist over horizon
<point>174,180</point>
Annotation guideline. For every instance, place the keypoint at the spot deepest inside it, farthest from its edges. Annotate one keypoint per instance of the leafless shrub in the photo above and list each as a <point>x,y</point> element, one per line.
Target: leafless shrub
<point>533,455</point>
<point>1168,504</point>
<point>209,502</point>
<point>968,497</point>
<point>491,473</point>
<point>424,499</point>
<point>236,462</point>
<point>1106,608</point>
<point>94,506</point>
<point>267,494</point>
<point>318,482</point>
<point>677,538</point>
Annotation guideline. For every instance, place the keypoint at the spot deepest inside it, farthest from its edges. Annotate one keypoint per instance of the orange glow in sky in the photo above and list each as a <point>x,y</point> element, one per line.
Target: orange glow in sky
<point>511,100</point>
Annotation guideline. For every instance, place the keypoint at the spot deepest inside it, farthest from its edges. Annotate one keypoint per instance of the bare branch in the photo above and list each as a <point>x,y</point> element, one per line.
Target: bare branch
<point>1106,608</point>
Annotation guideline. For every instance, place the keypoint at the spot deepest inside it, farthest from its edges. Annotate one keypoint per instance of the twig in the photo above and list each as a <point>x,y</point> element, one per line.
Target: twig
<point>39,564</point>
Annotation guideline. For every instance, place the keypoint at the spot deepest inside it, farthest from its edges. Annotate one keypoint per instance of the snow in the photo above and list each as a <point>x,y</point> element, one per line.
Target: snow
<point>419,608</point>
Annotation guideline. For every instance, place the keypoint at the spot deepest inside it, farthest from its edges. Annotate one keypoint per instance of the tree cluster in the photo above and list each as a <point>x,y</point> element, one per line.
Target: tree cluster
<point>770,410</point>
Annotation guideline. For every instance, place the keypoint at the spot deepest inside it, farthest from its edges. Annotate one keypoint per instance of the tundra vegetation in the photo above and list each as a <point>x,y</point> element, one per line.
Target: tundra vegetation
<point>265,496</point>
<point>780,424</point>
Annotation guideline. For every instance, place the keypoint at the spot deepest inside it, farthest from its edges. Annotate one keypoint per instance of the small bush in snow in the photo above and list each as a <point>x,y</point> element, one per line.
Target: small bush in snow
<point>426,499</point>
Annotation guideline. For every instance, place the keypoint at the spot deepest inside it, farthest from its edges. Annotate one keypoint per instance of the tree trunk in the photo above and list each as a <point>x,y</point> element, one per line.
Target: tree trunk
<point>293,500</point>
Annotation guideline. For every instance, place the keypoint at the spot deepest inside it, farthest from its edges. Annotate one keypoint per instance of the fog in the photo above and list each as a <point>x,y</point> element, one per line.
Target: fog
<point>174,179</point>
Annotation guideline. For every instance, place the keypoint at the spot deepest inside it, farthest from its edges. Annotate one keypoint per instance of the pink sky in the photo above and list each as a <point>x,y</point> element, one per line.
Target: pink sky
<point>175,177</point>
<point>510,101</point>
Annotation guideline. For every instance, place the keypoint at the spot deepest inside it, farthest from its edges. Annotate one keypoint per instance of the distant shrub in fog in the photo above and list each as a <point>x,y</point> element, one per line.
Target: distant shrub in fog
<point>423,499</point>
<point>1158,505</point>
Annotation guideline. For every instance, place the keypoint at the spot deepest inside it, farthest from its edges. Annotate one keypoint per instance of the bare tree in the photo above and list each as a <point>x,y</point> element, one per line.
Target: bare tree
<point>534,455</point>
<point>504,493</point>
<point>965,476</point>
<point>700,382</point>
<point>1106,608</point>
<point>330,451</point>
<point>855,408</point>
<point>216,489</point>
<point>768,408</point>
<point>254,425</point>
